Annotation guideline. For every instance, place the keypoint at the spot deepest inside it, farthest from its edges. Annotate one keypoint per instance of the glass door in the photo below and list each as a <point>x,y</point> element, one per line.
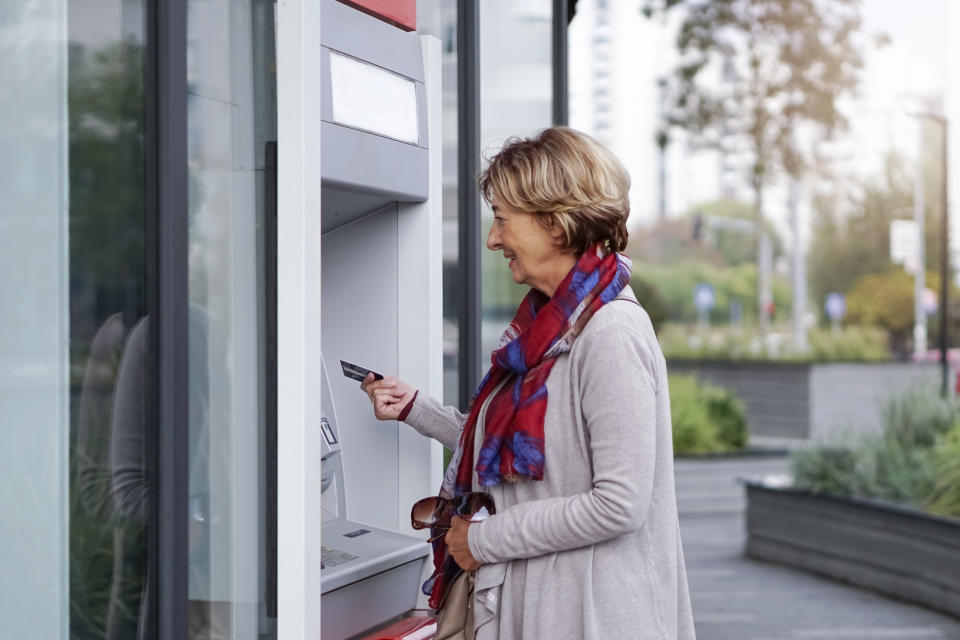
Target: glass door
<point>231,121</point>
<point>79,407</point>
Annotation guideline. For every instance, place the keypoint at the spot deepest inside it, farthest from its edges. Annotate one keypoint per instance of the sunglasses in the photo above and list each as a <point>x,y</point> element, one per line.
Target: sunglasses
<point>436,512</point>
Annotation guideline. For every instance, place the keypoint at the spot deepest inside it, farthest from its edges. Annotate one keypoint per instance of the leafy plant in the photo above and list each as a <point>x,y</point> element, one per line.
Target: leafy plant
<point>692,430</point>
<point>650,299</point>
<point>892,471</point>
<point>706,418</point>
<point>917,417</point>
<point>915,460</point>
<point>829,468</point>
<point>852,344</point>
<point>728,414</point>
<point>945,497</point>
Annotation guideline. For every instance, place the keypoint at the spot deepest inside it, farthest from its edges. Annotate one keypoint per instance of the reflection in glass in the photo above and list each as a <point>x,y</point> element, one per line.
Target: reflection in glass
<point>110,381</point>
<point>231,116</point>
<point>515,99</point>
<point>438,18</point>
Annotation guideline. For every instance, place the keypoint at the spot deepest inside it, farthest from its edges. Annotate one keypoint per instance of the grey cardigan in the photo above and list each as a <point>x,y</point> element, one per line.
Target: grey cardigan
<point>593,550</point>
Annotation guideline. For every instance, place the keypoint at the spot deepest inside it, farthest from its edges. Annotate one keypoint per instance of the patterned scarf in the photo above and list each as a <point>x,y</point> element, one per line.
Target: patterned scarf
<point>513,443</point>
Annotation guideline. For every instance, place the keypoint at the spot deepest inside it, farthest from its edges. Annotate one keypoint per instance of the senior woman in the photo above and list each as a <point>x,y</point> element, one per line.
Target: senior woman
<point>570,429</point>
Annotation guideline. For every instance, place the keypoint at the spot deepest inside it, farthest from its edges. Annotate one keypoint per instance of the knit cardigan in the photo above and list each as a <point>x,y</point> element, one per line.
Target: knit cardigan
<point>593,550</point>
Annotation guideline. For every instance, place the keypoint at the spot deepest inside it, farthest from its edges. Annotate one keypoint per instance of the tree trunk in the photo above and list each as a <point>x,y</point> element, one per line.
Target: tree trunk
<point>763,251</point>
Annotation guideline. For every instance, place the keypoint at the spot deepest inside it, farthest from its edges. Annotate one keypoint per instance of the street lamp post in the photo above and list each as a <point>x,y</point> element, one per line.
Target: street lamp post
<point>944,255</point>
<point>919,276</point>
<point>944,249</point>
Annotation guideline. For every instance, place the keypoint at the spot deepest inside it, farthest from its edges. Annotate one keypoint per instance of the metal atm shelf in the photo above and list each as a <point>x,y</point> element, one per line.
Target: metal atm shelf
<point>370,575</point>
<point>375,551</point>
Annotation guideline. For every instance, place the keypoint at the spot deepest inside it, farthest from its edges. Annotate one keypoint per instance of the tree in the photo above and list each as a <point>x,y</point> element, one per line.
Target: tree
<point>852,238</point>
<point>673,240</point>
<point>886,300</point>
<point>781,63</point>
<point>651,301</point>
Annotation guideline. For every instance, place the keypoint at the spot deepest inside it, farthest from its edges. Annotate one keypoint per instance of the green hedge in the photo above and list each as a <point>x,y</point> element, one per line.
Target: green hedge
<point>851,344</point>
<point>706,419</point>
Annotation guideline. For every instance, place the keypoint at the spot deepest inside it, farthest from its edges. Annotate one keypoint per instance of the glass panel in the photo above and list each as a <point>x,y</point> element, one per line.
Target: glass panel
<point>438,18</point>
<point>34,427</point>
<point>516,93</point>
<point>74,382</point>
<point>231,114</point>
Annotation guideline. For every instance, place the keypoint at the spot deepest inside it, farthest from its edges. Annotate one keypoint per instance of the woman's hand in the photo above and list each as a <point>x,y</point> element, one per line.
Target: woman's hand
<point>388,396</point>
<point>458,546</point>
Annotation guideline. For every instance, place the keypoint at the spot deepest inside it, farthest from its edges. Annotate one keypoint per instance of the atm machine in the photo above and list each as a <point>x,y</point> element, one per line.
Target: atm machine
<point>368,575</point>
<point>381,307</point>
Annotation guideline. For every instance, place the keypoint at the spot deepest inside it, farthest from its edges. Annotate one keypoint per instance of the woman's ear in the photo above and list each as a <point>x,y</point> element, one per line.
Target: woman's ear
<point>556,232</point>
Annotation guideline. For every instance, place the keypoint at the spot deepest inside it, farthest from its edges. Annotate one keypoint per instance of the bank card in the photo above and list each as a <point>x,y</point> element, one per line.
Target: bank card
<point>356,372</point>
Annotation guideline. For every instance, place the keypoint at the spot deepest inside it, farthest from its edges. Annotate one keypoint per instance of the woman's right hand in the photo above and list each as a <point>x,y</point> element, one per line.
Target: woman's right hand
<point>388,396</point>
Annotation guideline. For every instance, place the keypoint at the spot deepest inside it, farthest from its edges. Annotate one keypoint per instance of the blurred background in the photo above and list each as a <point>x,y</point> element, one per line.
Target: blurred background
<point>793,243</point>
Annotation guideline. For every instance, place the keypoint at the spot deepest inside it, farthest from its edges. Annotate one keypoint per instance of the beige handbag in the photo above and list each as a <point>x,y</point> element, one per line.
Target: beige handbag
<point>455,619</point>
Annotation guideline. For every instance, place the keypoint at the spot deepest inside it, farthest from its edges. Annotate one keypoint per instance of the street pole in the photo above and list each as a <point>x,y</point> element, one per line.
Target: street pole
<point>919,276</point>
<point>799,271</point>
<point>944,258</point>
<point>663,140</point>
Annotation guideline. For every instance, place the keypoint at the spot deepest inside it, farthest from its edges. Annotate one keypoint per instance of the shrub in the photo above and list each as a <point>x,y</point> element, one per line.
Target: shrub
<point>650,299</point>
<point>918,417</point>
<point>945,497</point>
<point>692,430</point>
<point>852,344</point>
<point>916,460</point>
<point>727,412</point>
<point>829,468</point>
<point>891,471</point>
<point>706,419</point>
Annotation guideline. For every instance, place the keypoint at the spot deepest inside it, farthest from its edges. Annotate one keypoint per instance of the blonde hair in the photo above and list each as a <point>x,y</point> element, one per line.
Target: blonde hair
<point>567,179</point>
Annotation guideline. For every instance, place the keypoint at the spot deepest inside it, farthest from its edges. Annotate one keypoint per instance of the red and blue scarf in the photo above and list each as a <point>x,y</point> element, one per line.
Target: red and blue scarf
<point>513,442</point>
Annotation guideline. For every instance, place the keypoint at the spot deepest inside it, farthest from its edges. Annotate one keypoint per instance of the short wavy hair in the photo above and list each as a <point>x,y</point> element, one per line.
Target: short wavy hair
<point>567,179</point>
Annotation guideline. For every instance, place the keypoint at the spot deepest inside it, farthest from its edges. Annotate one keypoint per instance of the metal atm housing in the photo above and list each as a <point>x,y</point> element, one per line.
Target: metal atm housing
<point>381,307</point>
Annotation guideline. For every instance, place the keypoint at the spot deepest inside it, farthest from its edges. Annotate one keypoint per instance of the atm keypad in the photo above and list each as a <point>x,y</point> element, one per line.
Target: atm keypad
<point>331,557</point>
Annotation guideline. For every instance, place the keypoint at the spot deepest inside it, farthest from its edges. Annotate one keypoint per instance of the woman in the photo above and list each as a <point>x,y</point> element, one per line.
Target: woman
<point>570,429</point>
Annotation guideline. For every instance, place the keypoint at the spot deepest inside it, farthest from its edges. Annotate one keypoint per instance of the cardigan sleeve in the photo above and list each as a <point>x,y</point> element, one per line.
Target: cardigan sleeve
<point>434,420</point>
<point>618,388</point>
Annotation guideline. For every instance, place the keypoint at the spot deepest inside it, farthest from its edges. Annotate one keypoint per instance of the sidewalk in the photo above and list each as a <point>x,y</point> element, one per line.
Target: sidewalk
<point>736,598</point>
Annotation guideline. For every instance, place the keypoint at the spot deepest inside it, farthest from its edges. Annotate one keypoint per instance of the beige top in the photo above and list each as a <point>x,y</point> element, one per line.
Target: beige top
<point>593,550</point>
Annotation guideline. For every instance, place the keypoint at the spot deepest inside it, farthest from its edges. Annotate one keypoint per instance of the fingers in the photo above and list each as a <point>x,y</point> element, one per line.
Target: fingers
<point>372,383</point>
<point>386,395</point>
<point>458,545</point>
<point>369,384</point>
<point>387,405</point>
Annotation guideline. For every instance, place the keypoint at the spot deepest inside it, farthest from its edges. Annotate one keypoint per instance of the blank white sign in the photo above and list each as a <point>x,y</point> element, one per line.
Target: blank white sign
<point>373,99</point>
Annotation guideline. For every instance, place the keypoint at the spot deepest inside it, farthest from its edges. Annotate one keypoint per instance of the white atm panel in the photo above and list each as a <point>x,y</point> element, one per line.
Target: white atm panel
<point>359,324</point>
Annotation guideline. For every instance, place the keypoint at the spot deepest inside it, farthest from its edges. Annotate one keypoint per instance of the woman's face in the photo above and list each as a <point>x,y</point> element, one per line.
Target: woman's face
<point>535,258</point>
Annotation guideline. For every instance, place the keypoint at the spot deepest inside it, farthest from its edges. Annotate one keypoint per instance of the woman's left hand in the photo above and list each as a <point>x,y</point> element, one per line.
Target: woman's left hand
<point>458,545</point>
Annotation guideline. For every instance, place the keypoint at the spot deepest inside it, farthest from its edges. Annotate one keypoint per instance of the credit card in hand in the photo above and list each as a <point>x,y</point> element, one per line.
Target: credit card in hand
<point>357,372</point>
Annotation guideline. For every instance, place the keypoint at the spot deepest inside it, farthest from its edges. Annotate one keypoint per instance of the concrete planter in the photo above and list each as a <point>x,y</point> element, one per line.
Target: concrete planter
<point>898,551</point>
<point>811,400</point>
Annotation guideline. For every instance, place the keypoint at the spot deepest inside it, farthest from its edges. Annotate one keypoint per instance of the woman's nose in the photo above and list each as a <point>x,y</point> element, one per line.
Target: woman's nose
<point>493,238</point>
